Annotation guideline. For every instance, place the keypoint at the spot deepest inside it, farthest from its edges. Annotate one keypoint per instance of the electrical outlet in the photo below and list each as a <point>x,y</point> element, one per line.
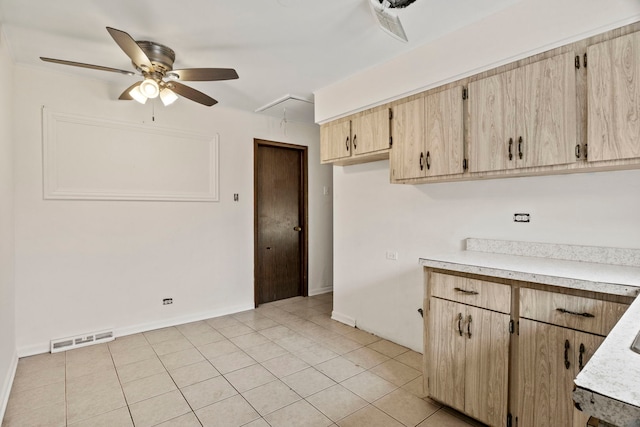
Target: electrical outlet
<point>392,255</point>
<point>325,190</point>
<point>521,217</point>
<point>167,301</point>
<point>236,197</point>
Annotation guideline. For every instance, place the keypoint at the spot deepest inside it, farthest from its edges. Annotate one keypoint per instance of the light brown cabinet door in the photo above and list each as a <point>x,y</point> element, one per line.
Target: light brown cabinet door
<point>408,154</point>
<point>486,365</point>
<point>335,140</point>
<point>585,346</point>
<point>447,352</point>
<point>492,109</point>
<point>546,112</point>
<point>370,132</point>
<point>469,359</point>
<point>546,380</point>
<point>444,130</point>
<point>525,117</point>
<point>546,365</point>
<point>613,86</point>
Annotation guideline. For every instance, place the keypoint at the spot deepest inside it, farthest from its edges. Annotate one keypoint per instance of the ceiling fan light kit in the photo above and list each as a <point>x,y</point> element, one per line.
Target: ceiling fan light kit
<point>137,94</point>
<point>155,63</point>
<point>168,97</point>
<point>149,88</point>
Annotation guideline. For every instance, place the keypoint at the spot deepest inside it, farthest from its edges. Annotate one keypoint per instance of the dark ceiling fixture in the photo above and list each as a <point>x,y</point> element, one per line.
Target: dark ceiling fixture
<point>154,62</point>
<point>397,4</point>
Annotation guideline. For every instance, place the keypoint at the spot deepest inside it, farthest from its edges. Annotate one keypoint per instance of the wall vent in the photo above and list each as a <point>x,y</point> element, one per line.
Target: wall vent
<point>69,343</point>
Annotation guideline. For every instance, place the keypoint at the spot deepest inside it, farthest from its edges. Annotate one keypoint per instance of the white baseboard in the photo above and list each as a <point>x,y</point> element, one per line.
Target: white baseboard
<point>343,318</point>
<point>7,383</point>
<point>144,327</point>
<point>320,291</point>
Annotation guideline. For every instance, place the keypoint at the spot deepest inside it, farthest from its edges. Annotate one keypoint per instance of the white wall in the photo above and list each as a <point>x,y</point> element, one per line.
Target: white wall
<point>519,31</point>
<point>372,216</point>
<point>8,357</point>
<point>88,265</point>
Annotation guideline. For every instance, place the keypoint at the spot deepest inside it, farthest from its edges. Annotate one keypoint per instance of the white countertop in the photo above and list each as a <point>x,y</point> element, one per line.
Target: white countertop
<point>614,370</point>
<point>589,276</point>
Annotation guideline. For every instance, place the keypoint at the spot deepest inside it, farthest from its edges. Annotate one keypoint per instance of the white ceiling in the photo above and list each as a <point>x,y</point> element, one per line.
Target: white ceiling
<point>278,47</point>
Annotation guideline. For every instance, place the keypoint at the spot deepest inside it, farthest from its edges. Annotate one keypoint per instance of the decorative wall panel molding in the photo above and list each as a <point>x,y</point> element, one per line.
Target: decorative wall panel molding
<point>88,158</point>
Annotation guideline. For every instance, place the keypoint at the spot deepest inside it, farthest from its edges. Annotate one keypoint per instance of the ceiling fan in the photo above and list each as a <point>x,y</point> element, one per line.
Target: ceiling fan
<point>155,63</point>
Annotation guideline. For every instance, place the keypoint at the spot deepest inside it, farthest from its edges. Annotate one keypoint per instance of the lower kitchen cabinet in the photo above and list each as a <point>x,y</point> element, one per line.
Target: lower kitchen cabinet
<point>507,351</point>
<point>550,357</point>
<point>469,359</point>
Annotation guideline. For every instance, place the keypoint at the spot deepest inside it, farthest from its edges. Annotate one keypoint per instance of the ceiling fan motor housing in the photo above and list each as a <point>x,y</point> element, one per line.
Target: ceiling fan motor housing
<point>161,56</point>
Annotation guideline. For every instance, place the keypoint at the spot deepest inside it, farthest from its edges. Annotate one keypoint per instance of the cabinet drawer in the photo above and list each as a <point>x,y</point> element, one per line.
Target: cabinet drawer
<point>492,296</point>
<point>580,313</point>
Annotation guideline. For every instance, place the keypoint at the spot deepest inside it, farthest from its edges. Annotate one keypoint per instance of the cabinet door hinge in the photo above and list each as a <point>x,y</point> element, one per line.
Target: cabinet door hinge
<point>509,420</point>
<point>465,94</point>
<point>511,326</point>
<point>390,114</point>
<point>390,141</point>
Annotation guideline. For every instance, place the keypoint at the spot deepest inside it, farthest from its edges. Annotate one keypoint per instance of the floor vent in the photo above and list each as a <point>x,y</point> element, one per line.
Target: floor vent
<point>84,340</point>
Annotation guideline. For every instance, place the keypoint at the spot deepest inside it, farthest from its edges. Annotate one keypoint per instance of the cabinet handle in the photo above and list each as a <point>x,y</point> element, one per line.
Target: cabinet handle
<point>577,151</point>
<point>510,147</point>
<point>574,313</point>
<point>520,147</point>
<point>428,160</point>
<point>580,360</point>
<point>464,291</point>
<point>346,143</point>
<point>355,142</point>
<point>460,323</point>
<point>567,364</point>
<point>469,327</point>
<point>586,153</point>
<point>421,161</point>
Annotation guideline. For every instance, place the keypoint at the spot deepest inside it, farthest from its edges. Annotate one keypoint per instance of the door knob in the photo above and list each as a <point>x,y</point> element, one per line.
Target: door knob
<point>297,228</point>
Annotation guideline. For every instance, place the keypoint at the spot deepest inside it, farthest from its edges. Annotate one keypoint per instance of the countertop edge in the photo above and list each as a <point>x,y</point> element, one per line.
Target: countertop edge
<point>565,282</point>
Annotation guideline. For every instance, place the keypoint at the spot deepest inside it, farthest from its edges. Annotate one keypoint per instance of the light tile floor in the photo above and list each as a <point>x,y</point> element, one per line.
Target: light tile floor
<point>284,364</point>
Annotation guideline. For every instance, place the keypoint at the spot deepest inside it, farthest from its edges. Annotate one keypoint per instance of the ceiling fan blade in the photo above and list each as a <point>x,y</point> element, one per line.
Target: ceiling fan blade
<point>131,48</point>
<point>191,93</point>
<point>90,66</point>
<point>125,95</point>
<point>205,74</point>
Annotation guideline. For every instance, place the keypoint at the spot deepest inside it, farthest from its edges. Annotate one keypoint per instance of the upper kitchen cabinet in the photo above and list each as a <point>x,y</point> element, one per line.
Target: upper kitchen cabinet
<point>429,136</point>
<point>613,80</point>
<point>335,141</point>
<point>525,117</point>
<point>363,137</point>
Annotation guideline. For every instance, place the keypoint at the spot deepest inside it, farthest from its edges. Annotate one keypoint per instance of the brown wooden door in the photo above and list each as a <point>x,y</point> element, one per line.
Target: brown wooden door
<point>280,221</point>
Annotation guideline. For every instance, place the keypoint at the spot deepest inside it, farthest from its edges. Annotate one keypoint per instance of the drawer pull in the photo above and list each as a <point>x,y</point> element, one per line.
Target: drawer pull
<point>580,360</point>
<point>464,291</point>
<point>565,311</point>
<point>567,364</point>
<point>460,323</point>
<point>469,327</point>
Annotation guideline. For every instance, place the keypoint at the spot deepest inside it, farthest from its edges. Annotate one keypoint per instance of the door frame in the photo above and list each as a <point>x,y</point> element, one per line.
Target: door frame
<point>304,203</point>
